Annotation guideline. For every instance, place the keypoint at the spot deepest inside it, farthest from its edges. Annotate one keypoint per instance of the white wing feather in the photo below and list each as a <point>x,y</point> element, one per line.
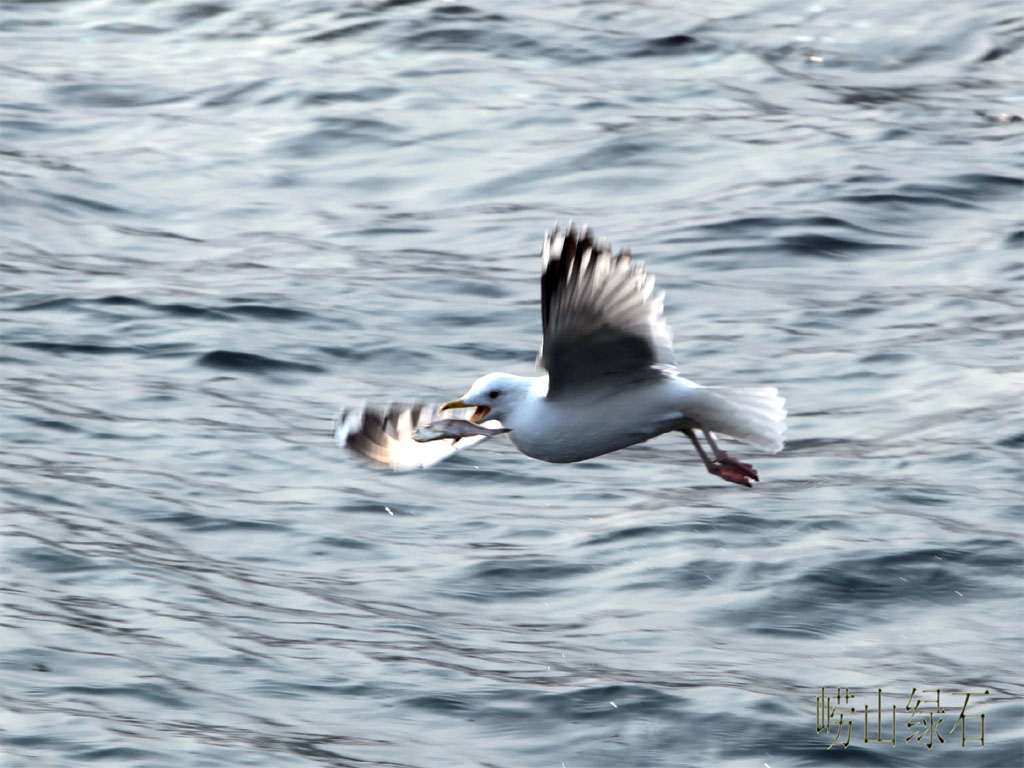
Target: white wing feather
<point>382,435</point>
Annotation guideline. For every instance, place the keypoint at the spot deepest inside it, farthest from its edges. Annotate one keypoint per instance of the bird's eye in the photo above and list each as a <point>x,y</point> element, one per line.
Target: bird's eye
<point>493,394</point>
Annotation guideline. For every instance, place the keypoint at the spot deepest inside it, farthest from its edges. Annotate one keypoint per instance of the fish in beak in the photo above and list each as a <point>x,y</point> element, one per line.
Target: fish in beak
<point>453,429</point>
<point>478,415</point>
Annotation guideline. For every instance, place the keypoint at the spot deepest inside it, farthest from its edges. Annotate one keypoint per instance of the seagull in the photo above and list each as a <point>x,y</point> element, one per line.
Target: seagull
<point>611,381</point>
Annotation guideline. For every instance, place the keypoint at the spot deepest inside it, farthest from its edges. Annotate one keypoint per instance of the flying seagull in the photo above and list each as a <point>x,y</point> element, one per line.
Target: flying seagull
<point>611,381</point>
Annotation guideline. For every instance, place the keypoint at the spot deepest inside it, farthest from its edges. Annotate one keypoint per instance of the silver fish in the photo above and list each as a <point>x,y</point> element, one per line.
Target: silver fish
<point>454,429</point>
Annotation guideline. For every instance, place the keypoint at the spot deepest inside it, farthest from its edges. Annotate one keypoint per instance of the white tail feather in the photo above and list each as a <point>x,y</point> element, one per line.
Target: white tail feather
<point>756,415</point>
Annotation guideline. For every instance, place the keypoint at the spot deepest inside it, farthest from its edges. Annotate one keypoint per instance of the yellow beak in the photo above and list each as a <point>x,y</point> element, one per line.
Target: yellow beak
<point>479,412</point>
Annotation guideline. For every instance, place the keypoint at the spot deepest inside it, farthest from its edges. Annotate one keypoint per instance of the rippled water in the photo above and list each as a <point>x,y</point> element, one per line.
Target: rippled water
<point>223,220</point>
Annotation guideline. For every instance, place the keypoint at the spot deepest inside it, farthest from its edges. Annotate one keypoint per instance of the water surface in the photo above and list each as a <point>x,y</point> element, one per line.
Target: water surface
<point>221,221</point>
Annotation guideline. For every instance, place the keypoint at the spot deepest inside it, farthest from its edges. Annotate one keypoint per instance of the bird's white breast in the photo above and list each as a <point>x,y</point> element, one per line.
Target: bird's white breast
<point>584,426</point>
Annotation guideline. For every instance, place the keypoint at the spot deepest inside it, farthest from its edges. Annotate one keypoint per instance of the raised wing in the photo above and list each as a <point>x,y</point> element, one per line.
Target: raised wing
<point>602,321</point>
<point>382,435</point>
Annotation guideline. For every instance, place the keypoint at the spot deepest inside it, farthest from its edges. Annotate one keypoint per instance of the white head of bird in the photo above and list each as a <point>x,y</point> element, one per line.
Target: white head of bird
<point>494,396</point>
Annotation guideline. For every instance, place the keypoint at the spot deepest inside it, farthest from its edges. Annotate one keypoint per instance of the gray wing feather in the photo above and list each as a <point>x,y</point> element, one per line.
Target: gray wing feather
<point>603,323</point>
<point>382,435</point>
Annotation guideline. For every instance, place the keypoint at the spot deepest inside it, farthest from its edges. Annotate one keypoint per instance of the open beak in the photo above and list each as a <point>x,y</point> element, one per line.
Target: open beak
<point>476,417</point>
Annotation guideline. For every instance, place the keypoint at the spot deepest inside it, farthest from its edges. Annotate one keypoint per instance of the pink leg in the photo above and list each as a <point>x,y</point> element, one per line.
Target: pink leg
<point>723,465</point>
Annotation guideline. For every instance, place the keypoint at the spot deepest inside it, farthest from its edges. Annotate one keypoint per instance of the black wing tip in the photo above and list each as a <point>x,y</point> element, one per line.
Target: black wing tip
<point>561,254</point>
<point>574,242</point>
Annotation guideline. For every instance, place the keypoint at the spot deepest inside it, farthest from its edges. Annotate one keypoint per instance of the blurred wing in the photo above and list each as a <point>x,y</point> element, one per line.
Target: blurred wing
<point>602,323</point>
<point>381,435</point>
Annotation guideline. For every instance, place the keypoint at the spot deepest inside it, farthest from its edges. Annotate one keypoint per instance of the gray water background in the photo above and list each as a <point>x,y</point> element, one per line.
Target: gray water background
<point>223,220</point>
